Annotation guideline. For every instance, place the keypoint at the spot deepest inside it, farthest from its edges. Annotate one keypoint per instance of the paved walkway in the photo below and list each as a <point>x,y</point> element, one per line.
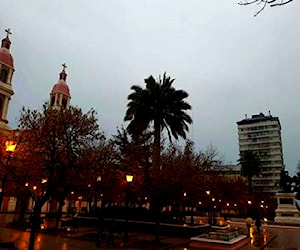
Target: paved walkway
<point>268,238</point>
<point>85,239</point>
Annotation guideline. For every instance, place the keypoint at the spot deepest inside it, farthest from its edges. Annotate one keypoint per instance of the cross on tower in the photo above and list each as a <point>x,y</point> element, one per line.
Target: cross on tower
<point>64,66</point>
<point>8,32</point>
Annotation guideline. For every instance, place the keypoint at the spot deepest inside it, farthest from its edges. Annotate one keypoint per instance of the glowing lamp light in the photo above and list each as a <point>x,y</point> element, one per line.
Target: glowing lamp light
<point>26,184</point>
<point>99,178</point>
<point>249,202</point>
<point>208,192</point>
<point>184,194</point>
<point>34,187</point>
<point>10,146</point>
<point>129,178</point>
<point>44,181</point>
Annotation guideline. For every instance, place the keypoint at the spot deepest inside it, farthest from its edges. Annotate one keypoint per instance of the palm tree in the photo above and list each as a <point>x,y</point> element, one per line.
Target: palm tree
<point>250,166</point>
<point>157,107</point>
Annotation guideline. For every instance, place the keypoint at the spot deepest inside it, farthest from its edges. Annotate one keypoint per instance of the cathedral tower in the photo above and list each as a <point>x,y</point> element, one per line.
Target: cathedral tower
<point>6,75</point>
<point>60,94</point>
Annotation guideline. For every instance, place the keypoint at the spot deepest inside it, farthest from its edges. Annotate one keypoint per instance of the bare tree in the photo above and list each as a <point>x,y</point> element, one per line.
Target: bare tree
<point>264,3</point>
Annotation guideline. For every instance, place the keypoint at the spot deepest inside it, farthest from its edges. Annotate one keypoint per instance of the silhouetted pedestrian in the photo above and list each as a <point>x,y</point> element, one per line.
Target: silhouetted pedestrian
<point>258,223</point>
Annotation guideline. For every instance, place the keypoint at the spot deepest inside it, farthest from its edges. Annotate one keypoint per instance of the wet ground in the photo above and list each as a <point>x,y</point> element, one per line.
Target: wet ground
<point>270,237</point>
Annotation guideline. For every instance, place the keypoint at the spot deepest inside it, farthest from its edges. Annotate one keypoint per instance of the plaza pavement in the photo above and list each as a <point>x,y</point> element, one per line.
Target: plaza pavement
<point>272,237</point>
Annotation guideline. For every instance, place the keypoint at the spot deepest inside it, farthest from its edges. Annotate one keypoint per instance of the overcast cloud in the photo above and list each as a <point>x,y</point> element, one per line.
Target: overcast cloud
<point>229,62</point>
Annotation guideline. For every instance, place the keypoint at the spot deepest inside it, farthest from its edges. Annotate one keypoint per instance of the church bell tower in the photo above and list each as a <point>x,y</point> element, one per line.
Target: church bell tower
<point>60,95</point>
<point>6,75</point>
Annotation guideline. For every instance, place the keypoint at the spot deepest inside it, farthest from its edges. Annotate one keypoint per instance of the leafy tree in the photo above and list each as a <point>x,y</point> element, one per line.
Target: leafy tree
<point>250,166</point>
<point>52,141</point>
<point>100,175</point>
<point>158,106</point>
<point>264,3</point>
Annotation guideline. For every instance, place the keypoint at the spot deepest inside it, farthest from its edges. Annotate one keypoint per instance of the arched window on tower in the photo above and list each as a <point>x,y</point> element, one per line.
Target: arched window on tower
<point>64,103</point>
<point>52,101</point>
<point>4,75</point>
<point>1,105</point>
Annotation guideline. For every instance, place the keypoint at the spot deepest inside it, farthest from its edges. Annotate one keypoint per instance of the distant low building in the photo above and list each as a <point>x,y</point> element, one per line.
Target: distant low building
<point>230,171</point>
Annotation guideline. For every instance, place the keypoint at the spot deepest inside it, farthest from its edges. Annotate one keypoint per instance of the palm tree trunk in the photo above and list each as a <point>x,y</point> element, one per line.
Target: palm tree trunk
<point>250,183</point>
<point>156,148</point>
<point>156,169</point>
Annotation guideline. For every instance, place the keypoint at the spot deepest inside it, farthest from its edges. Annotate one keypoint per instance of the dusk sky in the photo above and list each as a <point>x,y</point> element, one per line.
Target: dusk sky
<point>229,62</point>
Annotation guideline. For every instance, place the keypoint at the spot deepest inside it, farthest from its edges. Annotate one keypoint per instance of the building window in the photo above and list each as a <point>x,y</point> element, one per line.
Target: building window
<point>64,103</point>
<point>52,101</point>
<point>4,75</point>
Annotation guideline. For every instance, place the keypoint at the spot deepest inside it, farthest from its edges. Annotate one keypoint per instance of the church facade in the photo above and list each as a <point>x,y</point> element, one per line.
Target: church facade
<point>59,98</point>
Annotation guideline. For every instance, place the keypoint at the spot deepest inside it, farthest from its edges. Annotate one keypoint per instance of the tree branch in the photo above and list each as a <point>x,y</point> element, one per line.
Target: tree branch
<point>265,3</point>
<point>282,3</point>
<point>248,3</point>
<point>271,3</point>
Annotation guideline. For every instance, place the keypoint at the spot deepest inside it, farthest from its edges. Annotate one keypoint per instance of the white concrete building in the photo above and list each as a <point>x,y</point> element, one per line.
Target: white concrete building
<point>262,134</point>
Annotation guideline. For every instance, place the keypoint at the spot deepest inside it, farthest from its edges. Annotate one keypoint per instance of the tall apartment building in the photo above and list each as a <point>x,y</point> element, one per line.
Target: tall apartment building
<point>262,134</point>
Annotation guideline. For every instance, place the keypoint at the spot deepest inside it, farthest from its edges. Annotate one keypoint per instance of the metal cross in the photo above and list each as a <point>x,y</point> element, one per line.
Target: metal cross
<point>8,32</point>
<point>64,65</point>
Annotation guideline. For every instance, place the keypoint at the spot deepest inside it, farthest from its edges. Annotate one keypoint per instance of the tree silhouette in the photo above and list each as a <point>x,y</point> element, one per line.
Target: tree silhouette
<point>52,141</point>
<point>250,166</point>
<point>157,107</point>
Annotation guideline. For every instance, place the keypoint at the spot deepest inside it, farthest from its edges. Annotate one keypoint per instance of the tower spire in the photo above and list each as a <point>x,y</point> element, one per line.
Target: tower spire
<point>6,42</point>
<point>8,32</point>
<point>63,74</point>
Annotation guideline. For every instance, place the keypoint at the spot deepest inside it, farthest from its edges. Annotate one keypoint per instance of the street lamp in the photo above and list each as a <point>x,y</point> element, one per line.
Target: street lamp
<point>212,207</point>
<point>129,179</point>
<point>10,147</point>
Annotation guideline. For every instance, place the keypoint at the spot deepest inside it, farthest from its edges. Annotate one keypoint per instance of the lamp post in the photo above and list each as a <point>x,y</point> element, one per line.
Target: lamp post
<point>96,186</point>
<point>10,147</point>
<point>209,204</point>
<point>213,206</point>
<point>129,179</point>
